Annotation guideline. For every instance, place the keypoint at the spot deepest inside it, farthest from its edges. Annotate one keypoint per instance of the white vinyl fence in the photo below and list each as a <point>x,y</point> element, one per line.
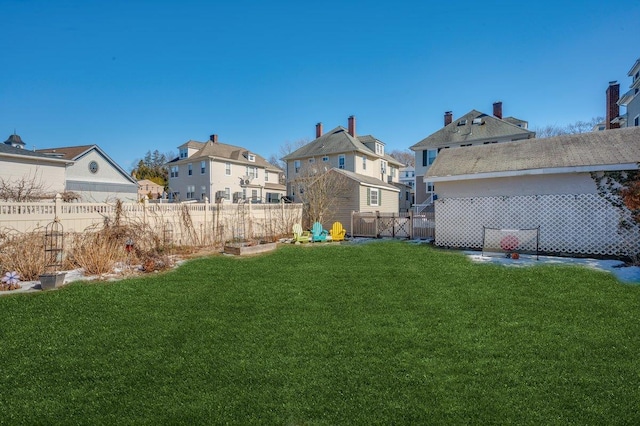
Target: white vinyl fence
<point>584,224</point>
<point>181,223</point>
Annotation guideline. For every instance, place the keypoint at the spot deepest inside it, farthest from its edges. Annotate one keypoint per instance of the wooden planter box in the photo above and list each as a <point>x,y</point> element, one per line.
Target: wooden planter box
<point>242,250</point>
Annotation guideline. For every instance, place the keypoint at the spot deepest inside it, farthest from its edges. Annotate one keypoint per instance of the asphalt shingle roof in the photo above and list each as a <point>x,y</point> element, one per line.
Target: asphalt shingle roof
<point>221,150</point>
<point>489,128</point>
<point>338,141</point>
<point>610,147</point>
<point>8,149</point>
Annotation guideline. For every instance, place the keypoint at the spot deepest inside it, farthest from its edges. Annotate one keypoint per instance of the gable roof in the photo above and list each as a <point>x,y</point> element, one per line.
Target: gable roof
<point>10,151</point>
<point>338,141</point>
<point>616,149</point>
<point>366,180</point>
<point>213,150</point>
<point>490,127</point>
<point>68,153</point>
<point>74,153</point>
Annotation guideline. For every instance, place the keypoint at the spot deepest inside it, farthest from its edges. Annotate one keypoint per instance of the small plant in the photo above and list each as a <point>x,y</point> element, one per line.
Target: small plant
<point>10,281</point>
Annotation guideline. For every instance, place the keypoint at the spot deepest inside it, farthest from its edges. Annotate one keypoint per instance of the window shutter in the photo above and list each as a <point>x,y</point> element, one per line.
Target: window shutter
<point>425,161</point>
<point>379,197</point>
<point>368,196</point>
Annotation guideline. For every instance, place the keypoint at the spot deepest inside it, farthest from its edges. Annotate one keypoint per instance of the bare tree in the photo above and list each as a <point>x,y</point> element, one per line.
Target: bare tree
<point>404,156</point>
<point>320,190</point>
<point>568,129</point>
<point>26,188</point>
<point>285,149</point>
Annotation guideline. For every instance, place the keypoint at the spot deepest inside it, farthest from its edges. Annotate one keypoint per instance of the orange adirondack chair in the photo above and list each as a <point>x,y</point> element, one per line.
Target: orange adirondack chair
<point>337,232</point>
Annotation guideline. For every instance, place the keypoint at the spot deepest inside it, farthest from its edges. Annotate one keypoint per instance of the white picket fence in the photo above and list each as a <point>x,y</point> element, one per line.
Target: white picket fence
<point>181,223</point>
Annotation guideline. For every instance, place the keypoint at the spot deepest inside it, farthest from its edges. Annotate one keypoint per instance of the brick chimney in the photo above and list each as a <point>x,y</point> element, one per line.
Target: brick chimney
<point>318,130</point>
<point>448,118</point>
<point>613,109</point>
<point>497,109</point>
<point>352,126</point>
<point>213,138</point>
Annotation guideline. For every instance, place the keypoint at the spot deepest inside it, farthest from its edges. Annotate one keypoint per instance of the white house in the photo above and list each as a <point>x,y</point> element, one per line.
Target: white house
<point>19,165</point>
<point>93,174</point>
<point>539,182</point>
<point>223,173</point>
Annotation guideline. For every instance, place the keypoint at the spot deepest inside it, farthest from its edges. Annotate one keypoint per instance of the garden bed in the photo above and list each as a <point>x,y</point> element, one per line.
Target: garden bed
<point>243,249</point>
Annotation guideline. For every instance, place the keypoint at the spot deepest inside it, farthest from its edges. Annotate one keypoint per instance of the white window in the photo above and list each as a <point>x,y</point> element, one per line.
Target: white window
<point>203,192</point>
<point>254,194</point>
<point>341,161</point>
<point>364,162</point>
<point>252,172</point>
<point>184,153</point>
<point>393,171</point>
<point>383,167</point>
<point>266,176</point>
<point>190,167</point>
<point>251,157</point>
<point>191,189</point>
<point>429,186</point>
<point>203,167</point>
<point>296,165</point>
<point>373,197</point>
<point>227,193</point>
<point>379,149</point>
<point>174,171</point>
<point>227,169</point>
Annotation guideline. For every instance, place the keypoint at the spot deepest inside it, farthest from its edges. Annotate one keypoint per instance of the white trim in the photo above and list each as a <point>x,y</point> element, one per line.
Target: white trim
<point>529,172</point>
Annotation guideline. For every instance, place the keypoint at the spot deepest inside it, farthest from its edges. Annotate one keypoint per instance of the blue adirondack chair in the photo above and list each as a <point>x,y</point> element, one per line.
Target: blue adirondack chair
<point>318,233</point>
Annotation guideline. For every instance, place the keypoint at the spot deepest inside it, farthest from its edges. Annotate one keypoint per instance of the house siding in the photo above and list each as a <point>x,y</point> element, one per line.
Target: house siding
<point>574,183</point>
<point>52,177</point>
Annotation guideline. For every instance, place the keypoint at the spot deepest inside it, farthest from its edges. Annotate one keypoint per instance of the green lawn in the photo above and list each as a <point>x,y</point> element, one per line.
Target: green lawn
<point>378,333</point>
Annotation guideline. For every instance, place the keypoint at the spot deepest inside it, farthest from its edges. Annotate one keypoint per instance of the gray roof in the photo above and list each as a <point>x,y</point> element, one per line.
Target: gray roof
<point>489,128</point>
<point>10,150</point>
<point>366,180</point>
<point>606,150</point>
<point>237,154</point>
<point>338,141</point>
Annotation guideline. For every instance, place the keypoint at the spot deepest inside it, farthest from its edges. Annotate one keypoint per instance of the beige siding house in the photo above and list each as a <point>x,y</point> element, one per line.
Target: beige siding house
<point>472,129</point>
<point>343,149</point>
<point>364,194</point>
<point>222,173</point>
<point>149,189</point>
<point>94,175</point>
<point>18,164</point>
<point>539,182</point>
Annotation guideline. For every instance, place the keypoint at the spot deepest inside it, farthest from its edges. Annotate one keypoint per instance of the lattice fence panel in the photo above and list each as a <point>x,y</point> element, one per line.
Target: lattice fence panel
<point>573,224</point>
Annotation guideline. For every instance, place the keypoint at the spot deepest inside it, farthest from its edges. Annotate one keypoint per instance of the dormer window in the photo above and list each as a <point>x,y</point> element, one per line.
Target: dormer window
<point>379,149</point>
<point>251,157</point>
<point>462,123</point>
<point>477,121</point>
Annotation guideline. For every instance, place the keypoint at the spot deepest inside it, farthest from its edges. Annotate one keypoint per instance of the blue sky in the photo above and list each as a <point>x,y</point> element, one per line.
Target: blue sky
<point>133,76</point>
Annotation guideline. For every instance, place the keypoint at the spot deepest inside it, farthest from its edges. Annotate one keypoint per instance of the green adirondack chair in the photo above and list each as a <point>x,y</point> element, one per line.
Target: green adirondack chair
<point>337,232</point>
<point>318,233</point>
<point>300,236</point>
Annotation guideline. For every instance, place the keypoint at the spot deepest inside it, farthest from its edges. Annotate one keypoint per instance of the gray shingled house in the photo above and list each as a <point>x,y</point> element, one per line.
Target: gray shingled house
<point>472,129</point>
<point>538,182</point>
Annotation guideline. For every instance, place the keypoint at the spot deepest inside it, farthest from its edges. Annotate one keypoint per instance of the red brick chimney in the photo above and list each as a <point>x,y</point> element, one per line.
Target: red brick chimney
<point>318,130</point>
<point>448,118</point>
<point>613,109</point>
<point>497,109</point>
<point>352,126</point>
<point>213,138</point>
